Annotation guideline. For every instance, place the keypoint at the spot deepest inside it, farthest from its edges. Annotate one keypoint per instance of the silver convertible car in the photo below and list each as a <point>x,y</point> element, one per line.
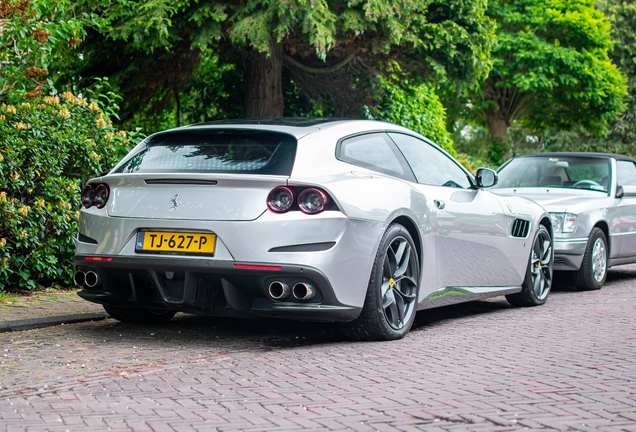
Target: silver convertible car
<point>591,198</point>
<point>359,222</point>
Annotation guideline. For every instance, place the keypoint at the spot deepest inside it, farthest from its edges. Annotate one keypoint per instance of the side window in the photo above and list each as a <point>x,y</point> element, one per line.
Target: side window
<point>376,152</point>
<point>626,173</point>
<point>430,165</point>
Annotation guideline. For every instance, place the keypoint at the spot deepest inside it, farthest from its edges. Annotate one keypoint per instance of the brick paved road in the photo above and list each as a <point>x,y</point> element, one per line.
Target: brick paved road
<point>568,365</point>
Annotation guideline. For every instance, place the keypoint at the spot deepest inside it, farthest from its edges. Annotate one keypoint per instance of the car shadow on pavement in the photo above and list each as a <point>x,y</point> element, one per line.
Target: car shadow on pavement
<point>621,273</point>
<point>564,283</point>
<point>201,332</point>
<point>204,332</point>
<point>432,317</point>
<point>268,333</point>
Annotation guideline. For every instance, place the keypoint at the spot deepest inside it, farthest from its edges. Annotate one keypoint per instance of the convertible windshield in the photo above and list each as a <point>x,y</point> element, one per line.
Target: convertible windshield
<point>562,172</point>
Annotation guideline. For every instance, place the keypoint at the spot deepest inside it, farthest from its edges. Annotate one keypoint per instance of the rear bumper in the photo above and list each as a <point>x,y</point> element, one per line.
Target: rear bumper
<point>278,239</point>
<point>210,287</point>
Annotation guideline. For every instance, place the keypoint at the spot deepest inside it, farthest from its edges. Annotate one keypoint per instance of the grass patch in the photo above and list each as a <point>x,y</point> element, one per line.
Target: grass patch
<point>7,298</point>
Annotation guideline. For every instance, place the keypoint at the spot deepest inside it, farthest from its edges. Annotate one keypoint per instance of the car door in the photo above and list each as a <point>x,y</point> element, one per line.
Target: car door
<point>470,225</point>
<point>377,152</point>
<point>626,229</point>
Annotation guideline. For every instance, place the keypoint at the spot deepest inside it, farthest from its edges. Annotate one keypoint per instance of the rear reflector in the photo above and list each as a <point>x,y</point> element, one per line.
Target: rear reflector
<point>257,267</point>
<point>97,259</point>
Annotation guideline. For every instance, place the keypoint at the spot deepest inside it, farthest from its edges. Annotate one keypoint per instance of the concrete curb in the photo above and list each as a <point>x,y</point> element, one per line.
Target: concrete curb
<point>35,323</point>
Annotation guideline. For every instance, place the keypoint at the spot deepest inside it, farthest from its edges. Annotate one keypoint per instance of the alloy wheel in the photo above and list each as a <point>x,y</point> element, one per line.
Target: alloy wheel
<point>599,260</point>
<point>399,286</point>
<point>541,265</point>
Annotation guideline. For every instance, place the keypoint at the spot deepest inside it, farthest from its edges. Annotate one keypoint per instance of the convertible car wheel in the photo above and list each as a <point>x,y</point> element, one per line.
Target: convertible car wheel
<point>538,281</point>
<point>593,271</point>
<point>391,301</point>
<point>139,314</point>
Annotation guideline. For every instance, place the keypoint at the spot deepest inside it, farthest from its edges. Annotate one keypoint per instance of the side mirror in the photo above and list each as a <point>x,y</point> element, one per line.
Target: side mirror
<point>620,193</point>
<point>626,191</point>
<point>485,177</point>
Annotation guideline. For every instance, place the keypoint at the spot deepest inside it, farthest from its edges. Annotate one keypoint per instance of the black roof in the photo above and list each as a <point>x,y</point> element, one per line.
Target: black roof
<point>279,121</point>
<point>583,154</point>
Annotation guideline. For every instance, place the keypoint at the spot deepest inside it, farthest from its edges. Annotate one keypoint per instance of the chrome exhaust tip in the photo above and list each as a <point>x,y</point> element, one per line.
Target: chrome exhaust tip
<point>79,278</point>
<point>303,291</point>
<point>91,279</point>
<point>278,290</point>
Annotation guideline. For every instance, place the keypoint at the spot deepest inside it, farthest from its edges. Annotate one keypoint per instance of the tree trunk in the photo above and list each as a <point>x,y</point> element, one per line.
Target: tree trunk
<point>179,116</point>
<point>498,126</point>
<point>499,149</point>
<point>264,95</point>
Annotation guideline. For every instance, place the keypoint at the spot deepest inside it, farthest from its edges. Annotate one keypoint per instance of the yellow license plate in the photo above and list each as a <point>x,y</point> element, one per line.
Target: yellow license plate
<point>160,241</point>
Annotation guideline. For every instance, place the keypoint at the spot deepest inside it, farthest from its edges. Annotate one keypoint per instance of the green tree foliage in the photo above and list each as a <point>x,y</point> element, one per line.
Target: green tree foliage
<point>416,108</point>
<point>34,32</point>
<point>622,15</point>
<point>213,92</point>
<point>621,136</point>
<point>333,50</point>
<point>551,68</point>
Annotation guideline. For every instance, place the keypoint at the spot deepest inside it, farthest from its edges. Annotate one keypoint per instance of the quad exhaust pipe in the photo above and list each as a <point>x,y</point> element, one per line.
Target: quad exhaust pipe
<point>303,291</point>
<point>278,290</point>
<point>79,278</point>
<point>90,279</point>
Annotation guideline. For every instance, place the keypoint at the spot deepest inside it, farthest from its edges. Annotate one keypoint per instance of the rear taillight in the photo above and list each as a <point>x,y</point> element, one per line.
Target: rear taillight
<point>312,201</point>
<point>309,200</point>
<point>88,195</point>
<point>280,199</point>
<point>101,195</point>
<point>95,194</point>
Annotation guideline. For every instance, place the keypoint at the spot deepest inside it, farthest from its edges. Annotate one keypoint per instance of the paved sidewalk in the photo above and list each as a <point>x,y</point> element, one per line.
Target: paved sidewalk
<point>47,308</point>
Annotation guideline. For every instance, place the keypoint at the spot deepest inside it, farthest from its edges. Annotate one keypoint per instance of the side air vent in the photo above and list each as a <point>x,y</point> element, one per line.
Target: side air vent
<point>520,228</point>
<point>181,181</point>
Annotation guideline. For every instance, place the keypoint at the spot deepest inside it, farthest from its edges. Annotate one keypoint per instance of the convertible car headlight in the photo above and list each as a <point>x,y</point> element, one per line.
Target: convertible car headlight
<point>563,222</point>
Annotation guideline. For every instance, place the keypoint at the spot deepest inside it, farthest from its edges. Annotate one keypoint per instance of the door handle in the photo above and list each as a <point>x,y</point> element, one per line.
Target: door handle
<point>439,204</point>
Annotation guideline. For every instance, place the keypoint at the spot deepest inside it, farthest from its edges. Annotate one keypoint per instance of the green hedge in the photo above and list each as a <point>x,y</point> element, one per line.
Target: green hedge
<point>48,145</point>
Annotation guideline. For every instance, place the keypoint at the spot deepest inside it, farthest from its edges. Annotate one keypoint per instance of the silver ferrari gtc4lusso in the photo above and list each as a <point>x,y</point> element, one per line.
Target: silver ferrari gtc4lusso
<point>355,221</point>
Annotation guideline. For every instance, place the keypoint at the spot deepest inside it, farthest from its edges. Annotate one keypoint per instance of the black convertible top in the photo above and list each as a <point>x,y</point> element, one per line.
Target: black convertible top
<point>279,121</point>
<point>584,154</point>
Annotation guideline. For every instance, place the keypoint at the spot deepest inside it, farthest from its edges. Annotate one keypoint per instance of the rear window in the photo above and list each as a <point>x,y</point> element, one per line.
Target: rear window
<point>215,151</point>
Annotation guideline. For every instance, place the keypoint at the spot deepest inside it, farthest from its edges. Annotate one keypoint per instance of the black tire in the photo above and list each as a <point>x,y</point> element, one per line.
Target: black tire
<point>593,271</point>
<point>539,273</point>
<point>139,315</point>
<point>391,301</point>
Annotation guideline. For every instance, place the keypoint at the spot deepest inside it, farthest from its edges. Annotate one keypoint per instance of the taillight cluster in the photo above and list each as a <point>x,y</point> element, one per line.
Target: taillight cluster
<point>308,200</point>
<point>95,194</point>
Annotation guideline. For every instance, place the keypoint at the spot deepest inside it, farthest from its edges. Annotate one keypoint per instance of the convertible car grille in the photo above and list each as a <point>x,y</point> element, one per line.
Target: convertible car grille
<point>520,228</point>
